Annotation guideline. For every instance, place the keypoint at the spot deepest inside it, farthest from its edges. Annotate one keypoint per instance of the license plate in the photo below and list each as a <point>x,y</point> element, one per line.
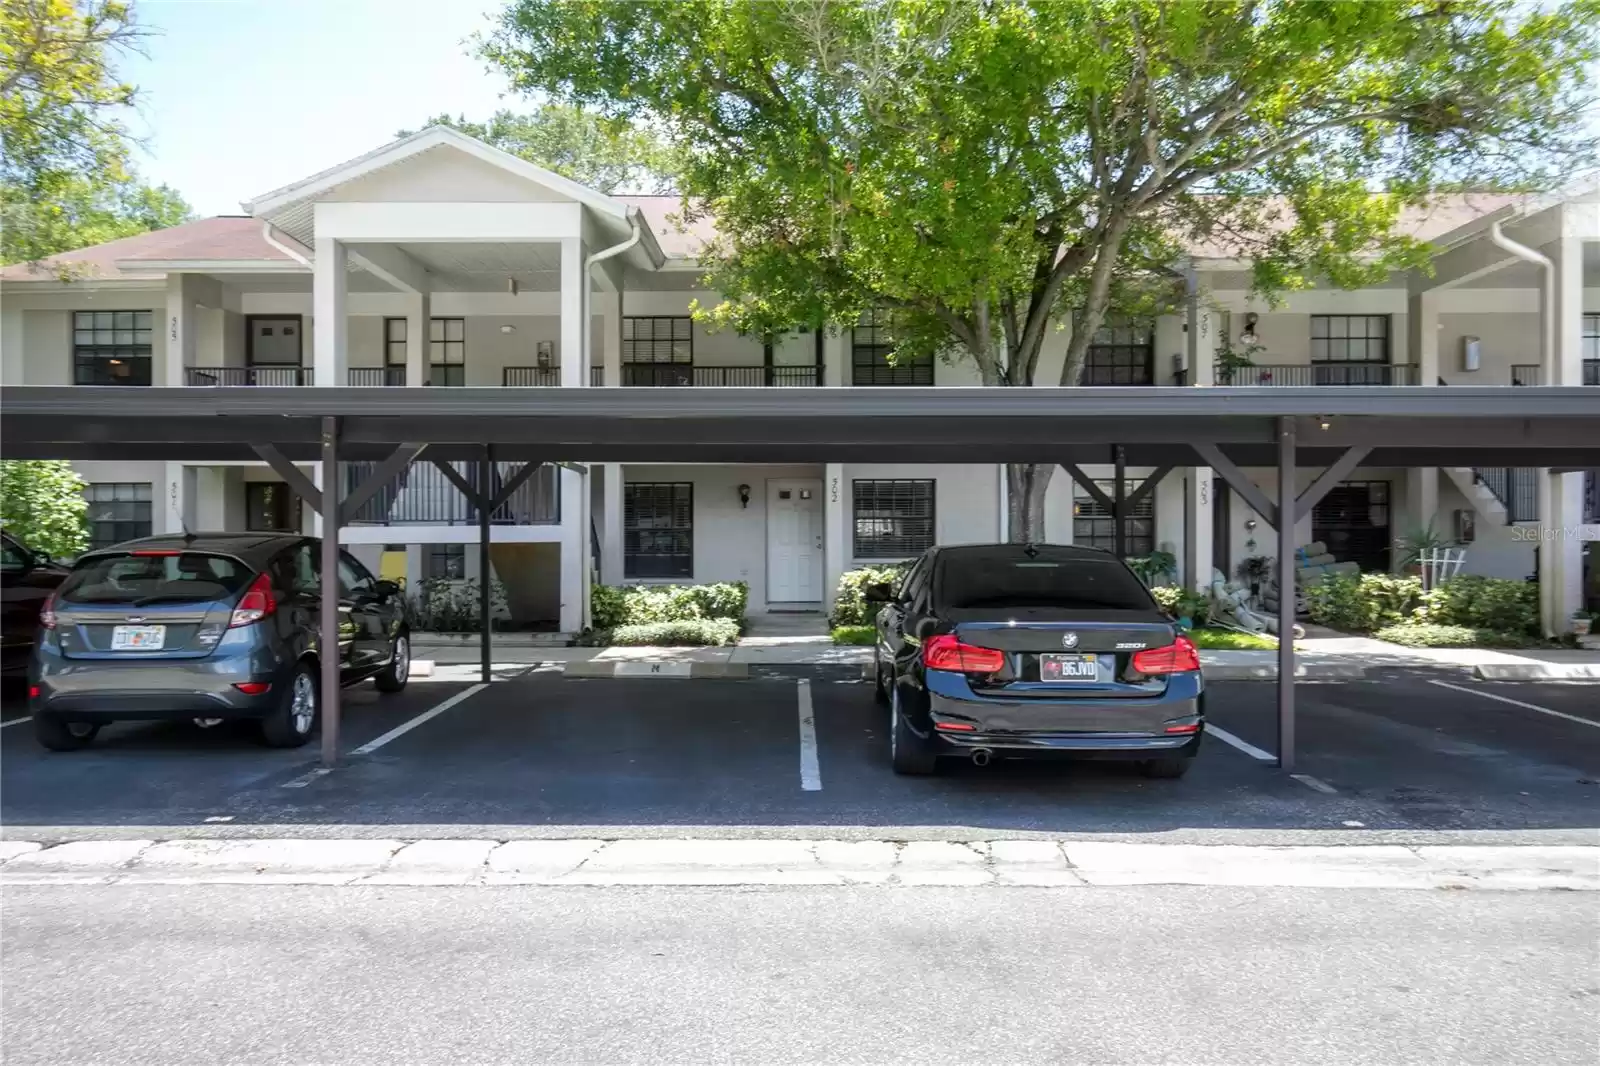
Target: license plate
<point>1069,668</point>
<point>138,638</point>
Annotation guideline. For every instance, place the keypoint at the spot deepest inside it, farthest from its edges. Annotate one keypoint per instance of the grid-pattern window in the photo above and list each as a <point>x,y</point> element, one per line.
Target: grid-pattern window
<point>1591,349</point>
<point>1122,352</point>
<point>1094,526</point>
<point>118,511</point>
<point>445,561</point>
<point>658,340</point>
<point>658,529</point>
<point>1349,338</point>
<point>893,519</point>
<point>394,342</point>
<point>111,347</point>
<point>447,351</point>
<point>871,343</point>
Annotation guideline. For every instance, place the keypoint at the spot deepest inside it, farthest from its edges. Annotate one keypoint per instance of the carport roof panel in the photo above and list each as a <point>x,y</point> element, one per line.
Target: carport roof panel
<point>1536,426</point>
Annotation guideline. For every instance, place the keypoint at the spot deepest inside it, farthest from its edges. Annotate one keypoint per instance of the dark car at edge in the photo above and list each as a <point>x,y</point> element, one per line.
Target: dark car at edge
<point>999,651</point>
<point>27,578</point>
<point>208,627</point>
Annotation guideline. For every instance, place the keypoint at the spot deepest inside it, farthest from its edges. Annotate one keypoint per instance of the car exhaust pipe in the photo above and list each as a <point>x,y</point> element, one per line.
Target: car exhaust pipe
<point>981,756</point>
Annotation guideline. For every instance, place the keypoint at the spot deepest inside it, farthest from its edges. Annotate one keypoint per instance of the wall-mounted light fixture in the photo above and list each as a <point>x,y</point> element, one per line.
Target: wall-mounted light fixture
<point>744,495</point>
<point>1249,336</point>
<point>508,328</point>
<point>544,352</point>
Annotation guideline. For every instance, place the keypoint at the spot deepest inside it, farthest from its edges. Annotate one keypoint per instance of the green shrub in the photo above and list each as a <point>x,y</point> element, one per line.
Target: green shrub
<point>450,605</point>
<point>1427,635</point>
<point>1500,604</point>
<point>1183,603</point>
<point>861,635</point>
<point>611,606</point>
<point>850,607</point>
<point>1361,604</point>
<point>1157,566</point>
<point>689,631</point>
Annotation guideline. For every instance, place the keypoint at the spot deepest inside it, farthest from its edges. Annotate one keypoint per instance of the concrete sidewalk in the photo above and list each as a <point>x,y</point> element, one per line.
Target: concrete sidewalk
<point>998,863</point>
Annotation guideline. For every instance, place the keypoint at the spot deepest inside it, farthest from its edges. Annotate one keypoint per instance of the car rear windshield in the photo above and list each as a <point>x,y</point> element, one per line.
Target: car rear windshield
<point>1015,578</point>
<point>182,577</point>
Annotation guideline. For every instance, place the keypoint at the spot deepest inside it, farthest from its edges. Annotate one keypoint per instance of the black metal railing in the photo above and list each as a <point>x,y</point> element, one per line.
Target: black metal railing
<point>422,495</point>
<point>1516,487</point>
<point>1533,374</point>
<point>377,375</point>
<point>544,376</point>
<point>676,375</point>
<point>1319,374</point>
<point>247,375</point>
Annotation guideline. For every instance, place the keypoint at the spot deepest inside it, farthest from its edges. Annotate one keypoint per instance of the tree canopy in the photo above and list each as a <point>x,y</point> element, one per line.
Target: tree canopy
<point>608,155</point>
<point>42,504</point>
<point>986,169</point>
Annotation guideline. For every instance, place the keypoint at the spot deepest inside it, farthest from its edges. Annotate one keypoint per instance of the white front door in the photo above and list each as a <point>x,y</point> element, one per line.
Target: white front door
<point>794,540</point>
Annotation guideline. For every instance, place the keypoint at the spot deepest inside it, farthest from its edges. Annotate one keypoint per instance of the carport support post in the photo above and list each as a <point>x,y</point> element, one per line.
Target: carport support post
<point>1119,503</point>
<point>328,607</point>
<point>485,501</point>
<point>1286,591</point>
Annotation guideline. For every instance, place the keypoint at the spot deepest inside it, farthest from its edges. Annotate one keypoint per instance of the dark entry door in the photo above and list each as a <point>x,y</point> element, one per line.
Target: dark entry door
<point>1353,521</point>
<point>1222,527</point>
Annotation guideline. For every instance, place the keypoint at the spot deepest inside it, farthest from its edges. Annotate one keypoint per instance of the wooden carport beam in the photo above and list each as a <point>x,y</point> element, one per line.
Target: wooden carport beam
<point>1336,472</point>
<point>476,497</point>
<point>1122,503</point>
<point>386,471</point>
<point>298,483</point>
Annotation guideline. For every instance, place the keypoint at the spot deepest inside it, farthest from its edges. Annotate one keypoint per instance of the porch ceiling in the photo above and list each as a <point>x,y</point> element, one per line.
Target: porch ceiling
<point>1462,426</point>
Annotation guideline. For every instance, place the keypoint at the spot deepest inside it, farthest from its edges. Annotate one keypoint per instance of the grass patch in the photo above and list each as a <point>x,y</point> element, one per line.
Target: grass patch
<point>860,635</point>
<point>1230,640</point>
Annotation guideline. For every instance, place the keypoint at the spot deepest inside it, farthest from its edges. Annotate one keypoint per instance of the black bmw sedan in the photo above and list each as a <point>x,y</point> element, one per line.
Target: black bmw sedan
<point>998,651</point>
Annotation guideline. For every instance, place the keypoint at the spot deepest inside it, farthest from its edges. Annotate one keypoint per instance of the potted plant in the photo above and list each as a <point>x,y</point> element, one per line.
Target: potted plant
<point>1255,571</point>
<point>1230,360</point>
<point>1581,622</point>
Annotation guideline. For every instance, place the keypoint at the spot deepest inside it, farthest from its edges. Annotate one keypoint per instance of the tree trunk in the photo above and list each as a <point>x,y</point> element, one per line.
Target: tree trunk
<point>1025,488</point>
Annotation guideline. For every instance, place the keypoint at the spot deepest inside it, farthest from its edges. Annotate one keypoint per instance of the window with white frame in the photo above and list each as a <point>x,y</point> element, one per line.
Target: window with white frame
<point>447,561</point>
<point>1349,338</point>
<point>111,347</point>
<point>118,511</point>
<point>893,519</point>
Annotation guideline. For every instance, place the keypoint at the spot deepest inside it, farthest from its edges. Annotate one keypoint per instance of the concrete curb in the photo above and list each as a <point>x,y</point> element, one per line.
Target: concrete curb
<point>678,669</point>
<point>679,861</point>
<point>1537,671</point>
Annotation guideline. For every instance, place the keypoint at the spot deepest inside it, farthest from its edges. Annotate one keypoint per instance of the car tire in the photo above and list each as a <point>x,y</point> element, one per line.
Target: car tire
<point>908,753</point>
<point>879,694</point>
<point>1172,767</point>
<point>291,723</point>
<point>393,678</point>
<point>58,734</point>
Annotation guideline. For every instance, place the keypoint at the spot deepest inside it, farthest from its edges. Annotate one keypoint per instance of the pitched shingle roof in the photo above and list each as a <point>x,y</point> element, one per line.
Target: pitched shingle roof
<point>226,237</point>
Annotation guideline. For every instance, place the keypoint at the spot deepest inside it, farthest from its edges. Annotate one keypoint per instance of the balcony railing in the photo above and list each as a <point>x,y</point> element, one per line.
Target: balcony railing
<point>1319,374</point>
<point>422,495</point>
<point>1533,374</point>
<point>368,376</point>
<point>674,375</point>
<point>543,376</point>
<point>247,375</point>
<point>1516,487</point>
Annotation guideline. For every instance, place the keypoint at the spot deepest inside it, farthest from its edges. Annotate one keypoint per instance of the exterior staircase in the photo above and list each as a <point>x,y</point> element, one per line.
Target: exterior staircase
<point>1502,495</point>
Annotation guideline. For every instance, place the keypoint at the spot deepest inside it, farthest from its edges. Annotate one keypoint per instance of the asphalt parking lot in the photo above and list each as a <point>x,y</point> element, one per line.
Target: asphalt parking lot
<point>541,753</point>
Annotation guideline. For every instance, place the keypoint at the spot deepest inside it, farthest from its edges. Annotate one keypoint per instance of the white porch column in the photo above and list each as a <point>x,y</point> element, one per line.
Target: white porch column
<point>611,337</point>
<point>835,548</point>
<point>330,352</point>
<point>836,357</point>
<point>1561,495</point>
<point>611,525</point>
<point>185,292</point>
<point>1422,502</point>
<point>574,549</point>
<point>574,290</point>
<point>419,318</point>
<point>1422,328</point>
<point>172,499</point>
<point>1198,489</point>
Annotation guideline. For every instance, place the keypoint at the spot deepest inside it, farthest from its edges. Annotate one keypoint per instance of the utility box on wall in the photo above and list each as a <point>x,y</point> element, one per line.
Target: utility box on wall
<point>1471,353</point>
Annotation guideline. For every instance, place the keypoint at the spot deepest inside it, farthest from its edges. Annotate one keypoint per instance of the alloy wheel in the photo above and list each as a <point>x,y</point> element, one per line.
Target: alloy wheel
<point>402,658</point>
<point>894,720</point>
<point>303,705</point>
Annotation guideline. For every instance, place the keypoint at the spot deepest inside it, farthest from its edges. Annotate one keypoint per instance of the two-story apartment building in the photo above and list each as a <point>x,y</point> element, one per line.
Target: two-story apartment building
<point>438,261</point>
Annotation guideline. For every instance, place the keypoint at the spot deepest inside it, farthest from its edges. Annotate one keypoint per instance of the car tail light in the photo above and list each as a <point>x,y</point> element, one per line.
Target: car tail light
<point>955,727</point>
<point>1176,658</point>
<point>1192,727</point>
<point>47,615</point>
<point>33,692</point>
<point>252,688</point>
<point>947,653</point>
<point>256,603</point>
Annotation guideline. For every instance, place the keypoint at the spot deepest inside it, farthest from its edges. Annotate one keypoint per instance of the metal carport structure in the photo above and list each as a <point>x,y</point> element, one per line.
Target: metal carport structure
<point>1333,429</point>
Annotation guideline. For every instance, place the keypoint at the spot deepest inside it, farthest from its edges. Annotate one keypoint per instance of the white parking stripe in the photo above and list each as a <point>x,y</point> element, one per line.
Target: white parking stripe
<point>16,721</point>
<point>405,727</point>
<point>810,769</point>
<point>1315,784</point>
<point>1243,745</point>
<point>1517,703</point>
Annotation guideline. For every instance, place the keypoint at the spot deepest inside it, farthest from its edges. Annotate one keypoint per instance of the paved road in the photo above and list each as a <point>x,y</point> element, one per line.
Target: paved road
<point>1149,975</point>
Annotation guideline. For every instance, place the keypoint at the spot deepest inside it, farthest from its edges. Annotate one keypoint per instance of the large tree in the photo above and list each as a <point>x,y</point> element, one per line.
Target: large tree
<point>604,154</point>
<point>988,169</point>
<point>42,503</point>
<point>65,179</point>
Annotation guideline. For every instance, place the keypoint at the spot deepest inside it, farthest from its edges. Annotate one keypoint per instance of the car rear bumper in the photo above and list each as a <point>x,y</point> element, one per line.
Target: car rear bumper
<point>103,690</point>
<point>1076,745</point>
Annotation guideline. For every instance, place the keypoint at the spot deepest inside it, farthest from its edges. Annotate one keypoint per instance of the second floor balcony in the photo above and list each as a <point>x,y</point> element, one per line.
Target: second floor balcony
<point>1304,375</point>
<point>1533,374</point>
<point>422,495</point>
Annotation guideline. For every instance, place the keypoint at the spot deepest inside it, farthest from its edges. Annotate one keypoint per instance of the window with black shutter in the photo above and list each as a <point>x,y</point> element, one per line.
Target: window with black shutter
<point>893,519</point>
<point>658,529</point>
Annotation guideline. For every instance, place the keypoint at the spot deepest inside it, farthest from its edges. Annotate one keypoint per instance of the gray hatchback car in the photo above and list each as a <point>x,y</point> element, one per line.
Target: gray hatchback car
<point>207,626</point>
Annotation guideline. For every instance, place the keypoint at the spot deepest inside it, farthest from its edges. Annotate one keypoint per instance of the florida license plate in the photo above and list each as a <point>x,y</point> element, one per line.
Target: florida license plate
<point>138,638</point>
<point>1069,668</point>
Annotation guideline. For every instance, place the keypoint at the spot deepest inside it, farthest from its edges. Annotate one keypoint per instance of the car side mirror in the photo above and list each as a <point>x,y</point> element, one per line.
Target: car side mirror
<point>925,627</point>
<point>877,592</point>
<point>385,589</point>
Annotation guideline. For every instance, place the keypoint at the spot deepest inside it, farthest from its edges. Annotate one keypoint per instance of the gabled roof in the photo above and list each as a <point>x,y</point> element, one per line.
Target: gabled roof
<point>225,238</point>
<point>278,202</point>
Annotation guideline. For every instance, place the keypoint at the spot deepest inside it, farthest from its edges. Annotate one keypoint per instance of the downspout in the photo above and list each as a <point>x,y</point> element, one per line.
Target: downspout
<point>293,253</point>
<point>1545,548</point>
